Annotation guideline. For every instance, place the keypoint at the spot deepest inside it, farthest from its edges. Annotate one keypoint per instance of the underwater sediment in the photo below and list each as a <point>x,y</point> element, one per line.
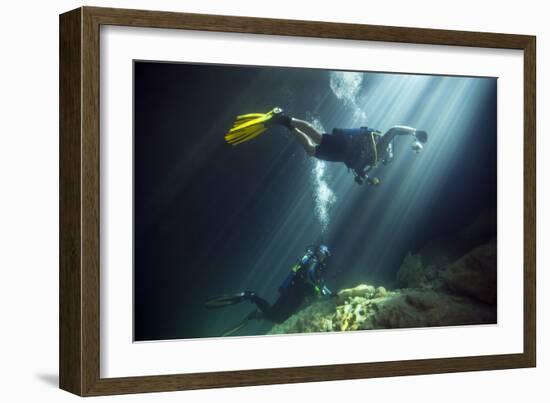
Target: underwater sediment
<point>461,292</point>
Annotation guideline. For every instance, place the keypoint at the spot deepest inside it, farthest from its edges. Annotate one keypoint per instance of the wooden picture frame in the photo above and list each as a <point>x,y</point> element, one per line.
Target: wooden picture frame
<point>80,184</point>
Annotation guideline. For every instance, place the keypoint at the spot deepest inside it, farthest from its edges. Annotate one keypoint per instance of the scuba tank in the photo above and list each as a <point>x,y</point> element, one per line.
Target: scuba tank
<point>362,152</point>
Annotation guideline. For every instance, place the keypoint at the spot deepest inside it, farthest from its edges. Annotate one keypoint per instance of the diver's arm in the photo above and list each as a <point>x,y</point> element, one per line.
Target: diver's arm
<point>399,130</point>
<point>310,270</point>
<point>388,137</point>
<point>319,283</point>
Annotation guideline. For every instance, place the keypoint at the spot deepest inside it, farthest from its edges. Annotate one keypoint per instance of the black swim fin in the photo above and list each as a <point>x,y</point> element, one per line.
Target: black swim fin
<point>220,301</point>
<point>243,323</point>
<point>236,328</point>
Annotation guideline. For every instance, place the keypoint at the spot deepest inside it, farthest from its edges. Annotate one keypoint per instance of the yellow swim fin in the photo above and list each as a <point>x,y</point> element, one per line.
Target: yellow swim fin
<point>251,125</point>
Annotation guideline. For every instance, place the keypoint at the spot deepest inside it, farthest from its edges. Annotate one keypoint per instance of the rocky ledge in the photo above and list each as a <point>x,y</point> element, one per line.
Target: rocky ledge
<point>459,293</point>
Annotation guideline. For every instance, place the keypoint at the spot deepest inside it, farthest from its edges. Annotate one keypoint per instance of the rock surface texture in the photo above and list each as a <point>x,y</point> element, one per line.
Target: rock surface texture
<point>460,293</point>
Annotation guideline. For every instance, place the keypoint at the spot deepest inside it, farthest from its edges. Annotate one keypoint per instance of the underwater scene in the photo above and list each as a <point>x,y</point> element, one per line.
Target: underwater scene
<point>275,200</point>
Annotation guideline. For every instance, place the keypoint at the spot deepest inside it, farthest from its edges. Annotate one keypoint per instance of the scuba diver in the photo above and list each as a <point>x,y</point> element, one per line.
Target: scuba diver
<point>304,281</point>
<point>361,149</point>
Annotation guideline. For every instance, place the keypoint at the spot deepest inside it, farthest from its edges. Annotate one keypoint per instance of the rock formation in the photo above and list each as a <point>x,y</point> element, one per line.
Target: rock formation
<point>460,293</point>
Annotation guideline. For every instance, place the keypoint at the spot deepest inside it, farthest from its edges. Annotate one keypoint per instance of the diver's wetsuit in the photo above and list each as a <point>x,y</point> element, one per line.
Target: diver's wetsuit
<point>345,144</point>
<point>305,280</point>
<point>357,148</point>
<point>361,148</point>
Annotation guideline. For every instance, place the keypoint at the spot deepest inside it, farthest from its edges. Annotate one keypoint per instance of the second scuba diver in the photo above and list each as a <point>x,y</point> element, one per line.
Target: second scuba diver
<point>361,149</point>
<point>304,281</point>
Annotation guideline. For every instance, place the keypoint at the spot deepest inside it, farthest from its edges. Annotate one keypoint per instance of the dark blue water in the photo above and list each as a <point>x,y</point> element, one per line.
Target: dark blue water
<point>213,219</point>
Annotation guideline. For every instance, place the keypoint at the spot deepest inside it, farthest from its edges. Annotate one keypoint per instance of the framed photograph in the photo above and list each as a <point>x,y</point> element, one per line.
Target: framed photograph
<point>249,201</point>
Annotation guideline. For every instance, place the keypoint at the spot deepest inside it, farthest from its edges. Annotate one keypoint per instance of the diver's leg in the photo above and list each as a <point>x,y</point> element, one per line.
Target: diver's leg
<point>307,129</point>
<point>306,134</point>
<point>305,141</point>
<point>261,303</point>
